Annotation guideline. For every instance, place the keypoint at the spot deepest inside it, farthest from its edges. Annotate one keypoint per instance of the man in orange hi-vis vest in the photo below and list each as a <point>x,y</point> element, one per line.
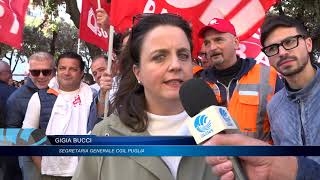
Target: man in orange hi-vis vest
<point>241,85</point>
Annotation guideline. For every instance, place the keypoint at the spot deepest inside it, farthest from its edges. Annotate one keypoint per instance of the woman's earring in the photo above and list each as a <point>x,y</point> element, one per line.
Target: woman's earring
<point>139,82</point>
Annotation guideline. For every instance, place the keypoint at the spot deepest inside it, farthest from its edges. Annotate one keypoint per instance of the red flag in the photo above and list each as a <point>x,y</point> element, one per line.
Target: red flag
<point>245,15</point>
<point>122,11</point>
<point>89,30</point>
<point>251,47</point>
<point>12,13</point>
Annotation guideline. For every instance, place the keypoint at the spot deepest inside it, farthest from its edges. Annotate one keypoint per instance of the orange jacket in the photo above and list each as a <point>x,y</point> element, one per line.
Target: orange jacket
<point>196,70</point>
<point>248,102</point>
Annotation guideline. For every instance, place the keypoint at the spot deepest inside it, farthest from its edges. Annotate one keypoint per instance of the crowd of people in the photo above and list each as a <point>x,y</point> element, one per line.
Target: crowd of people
<point>155,60</point>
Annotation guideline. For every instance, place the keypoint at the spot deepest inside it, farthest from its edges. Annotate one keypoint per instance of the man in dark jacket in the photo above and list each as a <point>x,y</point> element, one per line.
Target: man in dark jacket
<point>17,104</point>
<point>5,89</point>
<point>9,168</point>
<point>241,85</point>
<point>41,68</point>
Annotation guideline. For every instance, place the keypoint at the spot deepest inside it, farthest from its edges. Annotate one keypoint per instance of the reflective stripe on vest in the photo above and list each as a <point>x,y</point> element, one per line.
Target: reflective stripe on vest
<point>262,90</point>
<point>249,100</point>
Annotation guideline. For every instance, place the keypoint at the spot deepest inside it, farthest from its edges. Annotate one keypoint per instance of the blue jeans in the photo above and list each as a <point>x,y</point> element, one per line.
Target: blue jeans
<point>28,168</point>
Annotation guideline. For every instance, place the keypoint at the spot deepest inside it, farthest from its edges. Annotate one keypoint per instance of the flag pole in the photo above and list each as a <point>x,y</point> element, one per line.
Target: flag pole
<point>78,48</point>
<point>106,102</point>
<point>109,63</point>
<point>99,4</point>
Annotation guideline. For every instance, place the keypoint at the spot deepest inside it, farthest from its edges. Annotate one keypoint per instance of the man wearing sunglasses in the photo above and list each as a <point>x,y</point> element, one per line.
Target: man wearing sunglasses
<point>41,71</point>
<point>66,108</point>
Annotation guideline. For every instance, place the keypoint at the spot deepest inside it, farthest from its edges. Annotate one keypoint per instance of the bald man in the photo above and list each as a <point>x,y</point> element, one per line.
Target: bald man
<point>5,89</point>
<point>9,168</point>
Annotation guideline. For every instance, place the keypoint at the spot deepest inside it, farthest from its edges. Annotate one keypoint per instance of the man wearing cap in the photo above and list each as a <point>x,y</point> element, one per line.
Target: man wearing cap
<point>241,85</point>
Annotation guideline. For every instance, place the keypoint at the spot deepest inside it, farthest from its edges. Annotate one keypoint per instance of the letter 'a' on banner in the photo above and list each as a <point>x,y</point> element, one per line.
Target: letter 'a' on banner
<point>89,30</point>
<point>12,13</point>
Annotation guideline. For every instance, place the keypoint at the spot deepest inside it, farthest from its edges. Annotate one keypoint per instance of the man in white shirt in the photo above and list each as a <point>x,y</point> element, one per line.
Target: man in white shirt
<point>66,108</point>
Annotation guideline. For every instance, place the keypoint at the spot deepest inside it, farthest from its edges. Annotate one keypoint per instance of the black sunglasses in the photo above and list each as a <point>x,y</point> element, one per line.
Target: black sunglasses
<point>36,72</point>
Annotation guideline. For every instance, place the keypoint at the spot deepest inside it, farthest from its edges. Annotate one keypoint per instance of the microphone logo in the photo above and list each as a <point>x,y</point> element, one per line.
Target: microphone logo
<point>203,125</point>
<point>225,117</point>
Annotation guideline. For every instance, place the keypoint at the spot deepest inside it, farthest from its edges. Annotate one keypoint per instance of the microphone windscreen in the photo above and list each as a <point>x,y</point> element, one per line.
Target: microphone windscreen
<point>196,95</point>
<point>198,98</point>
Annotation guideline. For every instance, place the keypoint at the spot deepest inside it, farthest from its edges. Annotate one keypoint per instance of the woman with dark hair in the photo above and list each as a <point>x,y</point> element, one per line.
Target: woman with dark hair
<point>158,60</point>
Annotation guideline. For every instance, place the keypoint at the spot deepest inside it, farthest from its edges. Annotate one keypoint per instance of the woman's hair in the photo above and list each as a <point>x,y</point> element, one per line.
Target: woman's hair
<point>124,35</point>
<point>130,98</point>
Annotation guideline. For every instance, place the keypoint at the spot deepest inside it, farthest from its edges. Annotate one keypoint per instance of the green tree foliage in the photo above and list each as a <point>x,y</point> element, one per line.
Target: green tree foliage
<point>13,56</point>
<point>47,32</point>
<point>72,9</point>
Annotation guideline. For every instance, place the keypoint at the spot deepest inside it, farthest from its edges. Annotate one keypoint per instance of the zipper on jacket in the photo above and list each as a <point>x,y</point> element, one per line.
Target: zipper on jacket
<point>302,128</point>
<point>228,92</point>
<point>227,89</point>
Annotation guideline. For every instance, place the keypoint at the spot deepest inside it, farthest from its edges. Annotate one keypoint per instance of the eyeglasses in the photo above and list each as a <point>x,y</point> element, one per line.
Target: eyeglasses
<point>36,72</point>
<point>287,44</point>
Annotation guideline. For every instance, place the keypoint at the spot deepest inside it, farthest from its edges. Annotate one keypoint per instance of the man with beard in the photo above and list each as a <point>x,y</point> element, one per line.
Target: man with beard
<point>294,111</point>
<point>241,85</point>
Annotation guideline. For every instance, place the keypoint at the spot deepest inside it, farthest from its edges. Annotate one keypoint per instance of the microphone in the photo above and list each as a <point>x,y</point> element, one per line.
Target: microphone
<point>206,118</point>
